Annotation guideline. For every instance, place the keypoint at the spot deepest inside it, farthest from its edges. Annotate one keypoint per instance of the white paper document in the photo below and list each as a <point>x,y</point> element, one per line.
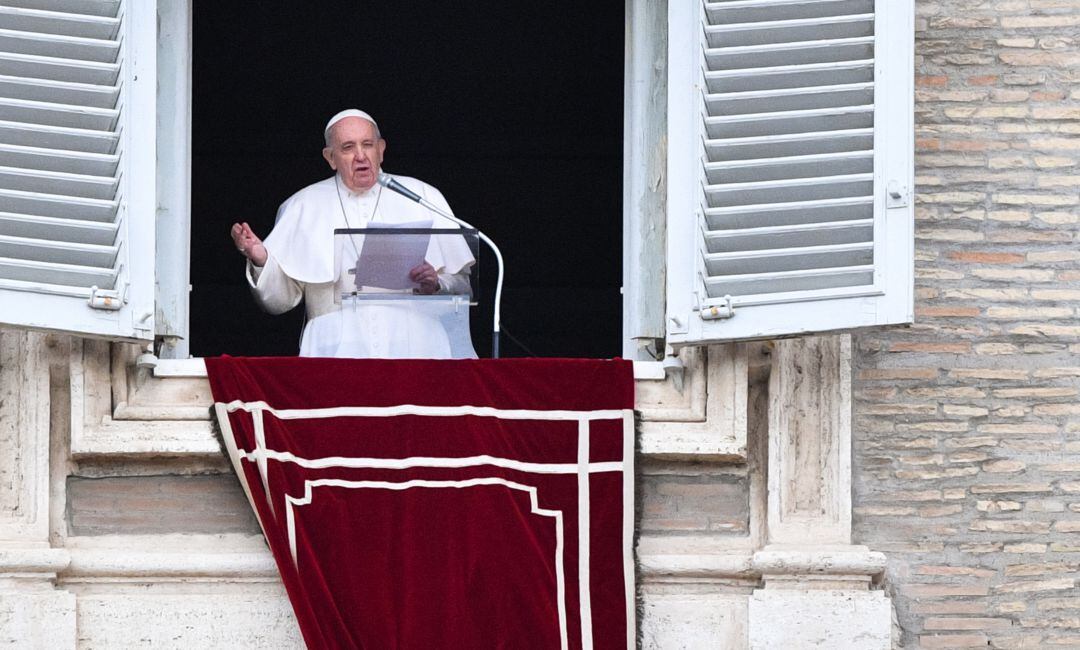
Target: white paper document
<point>386,258</point>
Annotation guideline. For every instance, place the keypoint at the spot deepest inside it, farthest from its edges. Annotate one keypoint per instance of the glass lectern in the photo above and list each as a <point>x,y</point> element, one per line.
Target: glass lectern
<point>385,313</point>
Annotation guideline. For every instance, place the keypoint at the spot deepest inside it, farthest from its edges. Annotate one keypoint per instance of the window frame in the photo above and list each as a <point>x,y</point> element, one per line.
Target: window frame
<point>173,215</point>
<point>696,411</point>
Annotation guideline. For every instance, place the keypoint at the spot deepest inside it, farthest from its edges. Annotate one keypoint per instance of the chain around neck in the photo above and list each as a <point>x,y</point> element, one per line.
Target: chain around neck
<point>345,214</point>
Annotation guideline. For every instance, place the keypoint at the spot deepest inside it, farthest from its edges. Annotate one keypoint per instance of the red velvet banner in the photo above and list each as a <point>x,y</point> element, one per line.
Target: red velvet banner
<point>441,504</point>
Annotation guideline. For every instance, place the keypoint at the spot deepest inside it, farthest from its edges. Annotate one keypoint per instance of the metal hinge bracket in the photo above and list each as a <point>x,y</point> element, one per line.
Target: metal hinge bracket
<point>898,195</point>
<point>718,312</point>
<point>109,300</point>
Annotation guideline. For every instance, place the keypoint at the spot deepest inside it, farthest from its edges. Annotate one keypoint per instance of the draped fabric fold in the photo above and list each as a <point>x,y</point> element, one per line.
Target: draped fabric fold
<point>441,504</point>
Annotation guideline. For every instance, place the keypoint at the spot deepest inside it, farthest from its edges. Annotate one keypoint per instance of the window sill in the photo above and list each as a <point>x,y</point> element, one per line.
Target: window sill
<point>191,368</point>
<point>119,409</point>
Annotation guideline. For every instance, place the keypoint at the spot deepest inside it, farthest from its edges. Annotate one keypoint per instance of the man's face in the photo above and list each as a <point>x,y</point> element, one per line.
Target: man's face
<point>355,153</point>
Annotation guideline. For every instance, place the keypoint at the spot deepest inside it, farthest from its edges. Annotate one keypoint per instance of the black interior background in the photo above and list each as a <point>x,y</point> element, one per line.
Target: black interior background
<point>513,110</point>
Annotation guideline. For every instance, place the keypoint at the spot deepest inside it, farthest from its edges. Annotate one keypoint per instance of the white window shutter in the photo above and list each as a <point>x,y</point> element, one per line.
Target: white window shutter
<point>77,166</point>
<point>790,167</point>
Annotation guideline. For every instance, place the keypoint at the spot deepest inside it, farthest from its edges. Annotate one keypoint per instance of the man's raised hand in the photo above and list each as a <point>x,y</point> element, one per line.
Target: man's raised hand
<point>248,244</point>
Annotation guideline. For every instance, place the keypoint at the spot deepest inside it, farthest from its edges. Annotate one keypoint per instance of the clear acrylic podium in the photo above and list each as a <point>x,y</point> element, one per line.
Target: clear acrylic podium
<point>384,314</point>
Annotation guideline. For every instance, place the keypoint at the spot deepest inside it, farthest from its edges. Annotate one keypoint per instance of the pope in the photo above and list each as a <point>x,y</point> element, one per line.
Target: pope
<point>301,259</point>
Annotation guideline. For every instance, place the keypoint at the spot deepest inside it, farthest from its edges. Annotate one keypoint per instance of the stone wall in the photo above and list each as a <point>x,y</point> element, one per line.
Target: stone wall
<point>967,425</point>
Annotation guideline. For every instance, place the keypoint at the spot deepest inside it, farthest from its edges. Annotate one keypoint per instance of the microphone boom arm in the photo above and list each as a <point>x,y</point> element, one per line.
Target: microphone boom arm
<point>391,183</point>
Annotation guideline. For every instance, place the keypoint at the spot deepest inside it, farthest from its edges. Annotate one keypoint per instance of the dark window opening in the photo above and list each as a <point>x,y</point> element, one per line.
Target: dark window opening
<point>513,110</point>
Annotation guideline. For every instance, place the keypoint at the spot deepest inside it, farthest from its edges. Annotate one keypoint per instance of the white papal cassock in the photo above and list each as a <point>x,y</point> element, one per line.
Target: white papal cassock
<point>305,262</point>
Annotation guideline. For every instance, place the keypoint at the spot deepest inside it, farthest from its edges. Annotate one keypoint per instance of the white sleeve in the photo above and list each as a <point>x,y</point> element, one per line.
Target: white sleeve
<point>275,292</point>
<point>455,283</point>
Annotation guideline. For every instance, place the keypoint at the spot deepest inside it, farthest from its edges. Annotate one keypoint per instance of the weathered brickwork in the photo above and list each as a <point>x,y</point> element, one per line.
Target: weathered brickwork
<point>141,505</point>
<point>687,498</point>
<point>967,425</point>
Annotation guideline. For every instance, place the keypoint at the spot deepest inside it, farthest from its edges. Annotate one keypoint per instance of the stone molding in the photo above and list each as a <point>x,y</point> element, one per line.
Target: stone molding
<point>121,410</point>
<point>118,409</point>
<point>143,558</point>
<point>698,567</point>
<point>38,563</point>
<point>141,565</point>
<point>134,557</point>
<point>33,613</point>
<point>855,566</point>
<point>24,437</point>
<point>702,415</point>
<point>847,560</point>
<point>810,441</point>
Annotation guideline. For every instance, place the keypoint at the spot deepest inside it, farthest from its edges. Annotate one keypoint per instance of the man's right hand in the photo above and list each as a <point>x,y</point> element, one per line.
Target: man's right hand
<point>248,244</point>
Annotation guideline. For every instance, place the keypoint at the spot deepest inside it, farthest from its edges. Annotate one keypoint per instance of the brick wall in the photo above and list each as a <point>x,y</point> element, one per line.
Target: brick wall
<point>693,498</point>
<point>161,504</point>
<point>967,425</point>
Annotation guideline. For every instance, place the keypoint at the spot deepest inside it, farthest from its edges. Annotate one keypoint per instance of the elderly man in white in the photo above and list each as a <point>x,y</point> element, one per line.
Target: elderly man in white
<point>302,259</point>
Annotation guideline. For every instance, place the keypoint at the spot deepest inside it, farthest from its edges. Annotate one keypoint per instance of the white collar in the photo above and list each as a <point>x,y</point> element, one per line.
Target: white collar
<point>348,193</point>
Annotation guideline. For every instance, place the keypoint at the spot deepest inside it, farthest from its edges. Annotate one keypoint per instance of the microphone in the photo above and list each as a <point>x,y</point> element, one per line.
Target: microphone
<point>392,184</point>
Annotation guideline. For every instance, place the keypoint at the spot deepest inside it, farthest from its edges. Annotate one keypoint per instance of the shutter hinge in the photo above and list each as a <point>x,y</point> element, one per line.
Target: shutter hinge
<point>898,195</point>
<point>718,312</point>
<point>109,300</point>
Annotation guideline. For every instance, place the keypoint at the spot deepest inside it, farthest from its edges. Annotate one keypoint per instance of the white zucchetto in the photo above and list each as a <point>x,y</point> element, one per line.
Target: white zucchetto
<point>349,112</point>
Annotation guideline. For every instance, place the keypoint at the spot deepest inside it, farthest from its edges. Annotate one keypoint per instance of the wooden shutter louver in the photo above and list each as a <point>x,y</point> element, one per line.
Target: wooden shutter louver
<point>790,193</point>
<point>789,146</point>
<point>73,162</point>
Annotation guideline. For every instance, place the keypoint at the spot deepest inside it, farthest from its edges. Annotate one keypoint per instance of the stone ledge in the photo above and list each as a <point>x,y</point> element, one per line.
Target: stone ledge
<point>160,438</point>
<point>247,557</point>
<point>663,558</point>
<point>192,368</point>
<point>698,415</point>
<point>697,567</point>
<point>33,560</point>
<point>673,444</point>
<point>141,565</point>
<point>851,560</point>
<point>142,558</point>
